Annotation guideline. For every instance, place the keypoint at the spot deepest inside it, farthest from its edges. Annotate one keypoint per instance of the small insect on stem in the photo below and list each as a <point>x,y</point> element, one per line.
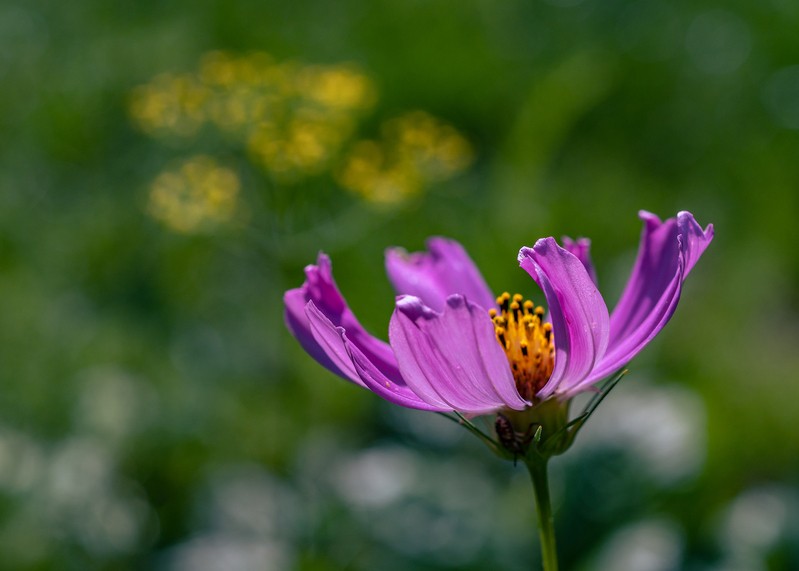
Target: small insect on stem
<point>511,440</point>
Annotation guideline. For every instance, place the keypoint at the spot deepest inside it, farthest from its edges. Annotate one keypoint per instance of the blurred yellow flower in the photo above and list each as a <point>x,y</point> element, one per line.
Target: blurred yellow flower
<point>304,145</point>
<point>415,150</point>
<point>293,118</point>
<point>198,195</point>
<point>336,87</point>
<point>174,104</point>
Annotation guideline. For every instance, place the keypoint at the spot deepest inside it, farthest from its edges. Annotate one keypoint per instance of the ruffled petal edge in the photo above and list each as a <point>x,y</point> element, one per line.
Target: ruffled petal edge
<point>668,251</point>
<point>577,311</point>
<point>444,269</point>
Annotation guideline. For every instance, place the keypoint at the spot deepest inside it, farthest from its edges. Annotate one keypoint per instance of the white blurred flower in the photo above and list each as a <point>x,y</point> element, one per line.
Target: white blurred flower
<point>662,427</point>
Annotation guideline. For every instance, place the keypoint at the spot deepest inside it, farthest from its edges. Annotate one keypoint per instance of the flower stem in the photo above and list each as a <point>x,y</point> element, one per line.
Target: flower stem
<point>546,522</point>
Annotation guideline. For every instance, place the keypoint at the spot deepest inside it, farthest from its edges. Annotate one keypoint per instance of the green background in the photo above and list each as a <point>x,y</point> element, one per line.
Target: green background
<point>155,413</point>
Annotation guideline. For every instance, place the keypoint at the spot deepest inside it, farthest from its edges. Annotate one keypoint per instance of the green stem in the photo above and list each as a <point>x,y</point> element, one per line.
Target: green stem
<point>543,506</point>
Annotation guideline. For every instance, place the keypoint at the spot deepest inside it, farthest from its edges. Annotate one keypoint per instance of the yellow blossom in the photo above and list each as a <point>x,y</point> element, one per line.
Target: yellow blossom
<point>197,195</point>
<point>415,150</point>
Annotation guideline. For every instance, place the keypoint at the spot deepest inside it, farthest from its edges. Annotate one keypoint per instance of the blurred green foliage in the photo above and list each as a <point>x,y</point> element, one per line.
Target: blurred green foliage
<point>154,412</point>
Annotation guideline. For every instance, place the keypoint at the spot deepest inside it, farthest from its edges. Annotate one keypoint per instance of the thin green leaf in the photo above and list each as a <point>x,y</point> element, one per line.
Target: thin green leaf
<point>589,409</point>
<point>468,425</point>
<point>600,396</point>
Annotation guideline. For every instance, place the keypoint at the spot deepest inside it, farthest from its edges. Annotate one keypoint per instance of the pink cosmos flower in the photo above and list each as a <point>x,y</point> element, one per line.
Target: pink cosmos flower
<point>454,346</point>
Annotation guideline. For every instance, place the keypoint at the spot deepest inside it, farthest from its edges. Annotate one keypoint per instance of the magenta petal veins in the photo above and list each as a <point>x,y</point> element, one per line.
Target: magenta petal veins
<point>452,357</point>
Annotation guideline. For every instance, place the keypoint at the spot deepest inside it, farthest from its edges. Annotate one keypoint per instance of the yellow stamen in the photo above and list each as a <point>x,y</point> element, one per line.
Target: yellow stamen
<point>526,340</point>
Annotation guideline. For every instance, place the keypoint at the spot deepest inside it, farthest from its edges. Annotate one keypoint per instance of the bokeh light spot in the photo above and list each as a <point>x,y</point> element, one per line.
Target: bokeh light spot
<point>415,150</point>
<point>718,42</point>
<point>781,96</point>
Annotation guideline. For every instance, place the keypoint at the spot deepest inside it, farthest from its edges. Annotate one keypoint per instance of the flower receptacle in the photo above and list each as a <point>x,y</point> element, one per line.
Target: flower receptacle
<point>537,431</point>
<point>544,430</point>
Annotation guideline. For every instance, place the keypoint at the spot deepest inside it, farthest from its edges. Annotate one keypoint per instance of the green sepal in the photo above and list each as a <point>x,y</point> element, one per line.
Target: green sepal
<point>540,431</point>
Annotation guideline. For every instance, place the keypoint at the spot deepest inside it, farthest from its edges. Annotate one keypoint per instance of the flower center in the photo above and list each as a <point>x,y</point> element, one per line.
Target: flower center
<point>527,342</point>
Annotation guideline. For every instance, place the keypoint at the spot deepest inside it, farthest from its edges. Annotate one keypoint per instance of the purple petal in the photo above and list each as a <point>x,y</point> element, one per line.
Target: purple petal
<point>452,359</point>
<point>578,313</point>
<point>320,288</point>
<point>694,239</point>
<point>328,338</point>
<point>297,323</point>
<point>391,390</point>
<point>358,367</point>
<point>668,251</point>
<point>581,248</point>
<point>433,276</point>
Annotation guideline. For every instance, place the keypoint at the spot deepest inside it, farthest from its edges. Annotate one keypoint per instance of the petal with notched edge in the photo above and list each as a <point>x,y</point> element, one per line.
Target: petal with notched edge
<point>444,270</point>
<point>667,253</point>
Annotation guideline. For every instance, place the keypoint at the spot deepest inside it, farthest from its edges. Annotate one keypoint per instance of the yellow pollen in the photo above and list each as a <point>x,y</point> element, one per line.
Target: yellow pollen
<point>527,341</point>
